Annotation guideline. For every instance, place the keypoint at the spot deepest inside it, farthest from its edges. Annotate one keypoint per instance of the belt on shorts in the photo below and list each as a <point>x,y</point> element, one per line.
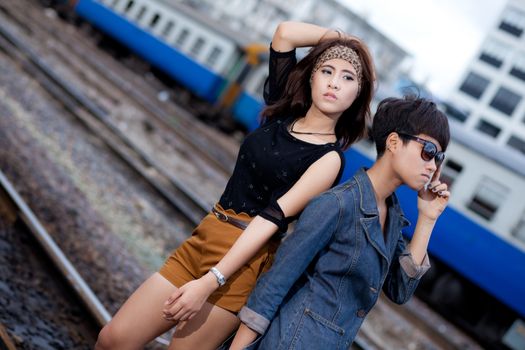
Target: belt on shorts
<point>226,218</point>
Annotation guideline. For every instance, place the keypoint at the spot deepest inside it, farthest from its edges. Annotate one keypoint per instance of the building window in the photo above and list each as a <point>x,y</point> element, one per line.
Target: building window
<point>505,101</point>
<point>488,128</point>
<point>517,143</point>
<point>197,47</point>
<point>183,36</point>
<point>513,22</point>
<point>511,29</point>
<point>474,85</point>
<point>214,56</point>
<point>518,73</point>
<point>492,60</point>
<point>493,53</point>
<point>450,172</point>
<point>489,196</point>
<point>454,112</point>
<point>168,28</point>
<point>518,66</point>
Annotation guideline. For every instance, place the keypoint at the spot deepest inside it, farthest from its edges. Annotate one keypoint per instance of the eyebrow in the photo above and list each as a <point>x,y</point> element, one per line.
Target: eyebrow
<point>344,70</point>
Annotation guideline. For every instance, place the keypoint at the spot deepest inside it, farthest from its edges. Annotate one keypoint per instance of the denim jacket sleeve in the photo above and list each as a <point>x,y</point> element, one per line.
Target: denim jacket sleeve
<point>313,232</point>
<point>404,274</point>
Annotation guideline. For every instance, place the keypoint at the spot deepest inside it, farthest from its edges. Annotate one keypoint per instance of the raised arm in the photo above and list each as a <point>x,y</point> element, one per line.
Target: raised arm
<point>287,37</point>
<point>430,204</point>
<point>411,262</point>
<point>291,35</point>
<point>188,299</point>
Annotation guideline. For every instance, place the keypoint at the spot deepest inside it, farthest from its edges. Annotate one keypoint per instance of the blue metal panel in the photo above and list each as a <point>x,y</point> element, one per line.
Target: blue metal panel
<point>476,253</point>
<point>246,111</point>
<point>194,76</point>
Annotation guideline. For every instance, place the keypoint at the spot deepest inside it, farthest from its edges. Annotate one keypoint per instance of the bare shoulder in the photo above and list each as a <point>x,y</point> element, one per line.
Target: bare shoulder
<point>330,161</point>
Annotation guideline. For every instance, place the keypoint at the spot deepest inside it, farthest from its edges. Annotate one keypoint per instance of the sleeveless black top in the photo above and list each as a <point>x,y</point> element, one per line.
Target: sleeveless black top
<point>270,159</point>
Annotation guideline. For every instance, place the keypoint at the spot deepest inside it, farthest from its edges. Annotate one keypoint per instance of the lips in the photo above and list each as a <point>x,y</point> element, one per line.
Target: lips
<point>330,96</point>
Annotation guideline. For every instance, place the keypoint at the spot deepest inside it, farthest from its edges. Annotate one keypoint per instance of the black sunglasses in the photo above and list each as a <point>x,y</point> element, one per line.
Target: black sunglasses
<point>429,150</point>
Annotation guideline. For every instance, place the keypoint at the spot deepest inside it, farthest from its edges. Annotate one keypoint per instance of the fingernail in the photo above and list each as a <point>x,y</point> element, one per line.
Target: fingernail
<point>440,193</point>
<point>434,190</point>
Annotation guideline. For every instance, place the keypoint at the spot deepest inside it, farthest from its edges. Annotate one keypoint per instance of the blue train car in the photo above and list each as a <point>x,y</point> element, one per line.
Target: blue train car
<point>207,59</point>
<point>198,78</point>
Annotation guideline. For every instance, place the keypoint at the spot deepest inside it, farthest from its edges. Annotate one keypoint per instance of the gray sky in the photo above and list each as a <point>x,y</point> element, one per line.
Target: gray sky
<point>442,35</point>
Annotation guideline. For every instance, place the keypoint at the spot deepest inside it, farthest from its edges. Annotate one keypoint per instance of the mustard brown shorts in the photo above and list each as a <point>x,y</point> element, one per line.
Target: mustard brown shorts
<point>209,242</point>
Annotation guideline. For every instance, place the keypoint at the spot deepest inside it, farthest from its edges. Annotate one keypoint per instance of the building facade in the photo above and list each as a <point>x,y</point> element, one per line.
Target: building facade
<point>491,94</point>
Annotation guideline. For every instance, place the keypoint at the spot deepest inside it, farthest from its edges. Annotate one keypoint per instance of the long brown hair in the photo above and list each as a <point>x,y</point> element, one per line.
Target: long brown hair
<point>297,96</point>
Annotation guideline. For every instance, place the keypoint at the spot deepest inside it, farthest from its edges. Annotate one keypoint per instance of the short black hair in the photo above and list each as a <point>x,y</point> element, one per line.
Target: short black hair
<point>409,115</point>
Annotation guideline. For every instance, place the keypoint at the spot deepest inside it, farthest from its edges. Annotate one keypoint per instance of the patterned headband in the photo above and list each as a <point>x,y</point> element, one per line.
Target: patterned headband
<point>344,53</point>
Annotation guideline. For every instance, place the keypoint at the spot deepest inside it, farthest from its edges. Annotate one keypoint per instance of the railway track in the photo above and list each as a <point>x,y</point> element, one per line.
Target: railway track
<point>184,173</point>
<point>74,49</point>
<point>68,311</point>
<point>61,310</point>
<point>95,120</point>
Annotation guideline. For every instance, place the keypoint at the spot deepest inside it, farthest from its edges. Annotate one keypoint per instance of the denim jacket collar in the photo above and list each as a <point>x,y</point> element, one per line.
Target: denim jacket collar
<point>368,203</point>
<point>370,219</point>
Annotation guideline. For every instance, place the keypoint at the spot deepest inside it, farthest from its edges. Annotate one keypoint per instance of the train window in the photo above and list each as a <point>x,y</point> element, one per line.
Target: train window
<point>488,128</point>
<point>488,198</point>
<point>141,13</point>
<point>154,20</point>
<point>474,85</point>
<point>451,170</point>
<point>214,56</point>
<point>114,3</point>
<point>197,46</point>
<point>505,101</point>
<point>183,35</point>
<point>517,143</point>
<point>519,229</point>
<point>129,5</point>
<point>168,28</point>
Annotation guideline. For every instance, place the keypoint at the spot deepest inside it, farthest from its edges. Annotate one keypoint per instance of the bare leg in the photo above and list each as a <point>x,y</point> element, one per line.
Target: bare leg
<point>207,330</point>
<point>139,320</point>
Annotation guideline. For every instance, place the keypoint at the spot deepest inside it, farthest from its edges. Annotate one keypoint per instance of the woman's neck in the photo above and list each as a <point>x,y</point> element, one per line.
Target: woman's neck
<point>316,121</point>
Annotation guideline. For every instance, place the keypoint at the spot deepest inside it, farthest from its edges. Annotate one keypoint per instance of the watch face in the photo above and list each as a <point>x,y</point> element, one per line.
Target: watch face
<point>220,277</point>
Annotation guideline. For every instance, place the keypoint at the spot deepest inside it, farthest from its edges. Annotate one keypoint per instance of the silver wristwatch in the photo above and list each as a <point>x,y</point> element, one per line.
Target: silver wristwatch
<point>220,277</point>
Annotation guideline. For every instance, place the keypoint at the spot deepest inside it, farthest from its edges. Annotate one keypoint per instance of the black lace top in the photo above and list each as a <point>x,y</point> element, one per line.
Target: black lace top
<point>270,159</point>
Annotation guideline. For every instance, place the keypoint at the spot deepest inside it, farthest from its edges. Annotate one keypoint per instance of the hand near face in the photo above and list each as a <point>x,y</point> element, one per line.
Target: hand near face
<point>433,200</point>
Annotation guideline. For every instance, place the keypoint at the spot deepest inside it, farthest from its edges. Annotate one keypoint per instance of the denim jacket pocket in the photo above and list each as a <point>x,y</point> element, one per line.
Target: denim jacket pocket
<point>316,332</point>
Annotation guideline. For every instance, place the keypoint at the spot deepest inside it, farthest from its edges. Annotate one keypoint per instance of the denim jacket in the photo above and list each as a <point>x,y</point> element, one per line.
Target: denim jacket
<point>329,273</point>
